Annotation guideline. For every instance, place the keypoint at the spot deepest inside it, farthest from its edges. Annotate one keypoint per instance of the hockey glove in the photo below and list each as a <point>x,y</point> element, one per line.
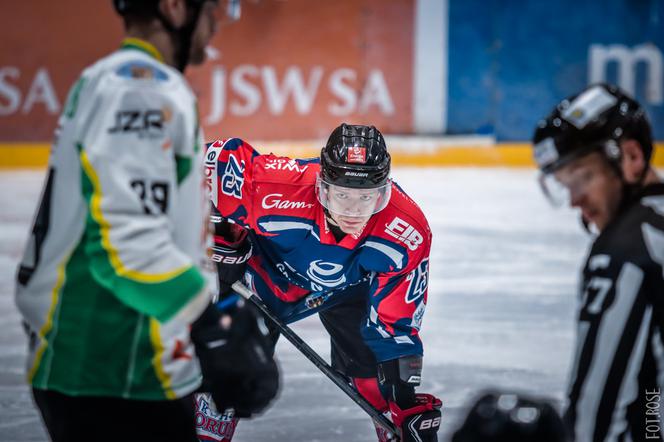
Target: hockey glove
<point>417,416</point>
<point>230,253</point>
<point>236,358</point>
<point>419,423</point>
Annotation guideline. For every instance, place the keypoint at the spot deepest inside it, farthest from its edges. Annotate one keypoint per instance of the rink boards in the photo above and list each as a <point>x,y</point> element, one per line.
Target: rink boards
<point>406,151</point>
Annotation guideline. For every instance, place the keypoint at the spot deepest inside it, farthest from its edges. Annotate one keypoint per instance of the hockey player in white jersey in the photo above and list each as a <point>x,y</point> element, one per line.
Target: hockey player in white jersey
<point>111,281</point>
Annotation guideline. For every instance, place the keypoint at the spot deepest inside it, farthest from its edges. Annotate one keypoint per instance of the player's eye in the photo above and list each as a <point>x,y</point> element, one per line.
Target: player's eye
<point>341,196</point>
<point>587,176</point>
<point>366,197</point>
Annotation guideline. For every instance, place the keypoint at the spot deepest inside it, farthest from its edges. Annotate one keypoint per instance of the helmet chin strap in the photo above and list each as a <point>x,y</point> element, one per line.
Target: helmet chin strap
<point>181,37</point>
<point>328,217</point>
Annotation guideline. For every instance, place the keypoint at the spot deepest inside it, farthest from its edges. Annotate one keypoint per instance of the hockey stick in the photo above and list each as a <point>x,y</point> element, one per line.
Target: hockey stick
<point>319,362</point>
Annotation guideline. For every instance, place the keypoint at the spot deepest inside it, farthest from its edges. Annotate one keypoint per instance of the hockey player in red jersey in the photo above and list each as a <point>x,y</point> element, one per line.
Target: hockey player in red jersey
<point>334,236</point>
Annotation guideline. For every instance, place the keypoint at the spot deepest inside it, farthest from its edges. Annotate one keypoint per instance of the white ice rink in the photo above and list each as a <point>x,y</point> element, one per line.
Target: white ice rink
<point>503,275</point>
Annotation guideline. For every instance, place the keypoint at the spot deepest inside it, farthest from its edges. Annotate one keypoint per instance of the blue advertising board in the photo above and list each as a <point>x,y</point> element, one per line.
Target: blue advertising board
<point>510,62</point>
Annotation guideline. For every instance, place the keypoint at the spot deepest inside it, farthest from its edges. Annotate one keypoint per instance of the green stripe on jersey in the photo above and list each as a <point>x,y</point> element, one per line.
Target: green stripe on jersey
<point>93,344</point>
<point>72,99</point>
<point>158,299</point>
<point>182,167</point>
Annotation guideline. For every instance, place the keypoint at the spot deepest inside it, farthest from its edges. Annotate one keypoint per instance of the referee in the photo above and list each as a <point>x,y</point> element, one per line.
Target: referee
<point>594,153</point>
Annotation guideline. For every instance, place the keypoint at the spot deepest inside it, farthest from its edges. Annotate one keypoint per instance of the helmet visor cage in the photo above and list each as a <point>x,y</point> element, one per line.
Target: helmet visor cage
<point>570,183</point>
<point>555,191</point>
<point>353,202</point>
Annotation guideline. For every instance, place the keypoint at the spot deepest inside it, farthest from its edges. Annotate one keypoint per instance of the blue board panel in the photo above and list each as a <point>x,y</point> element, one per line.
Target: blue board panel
<point>510,61</point>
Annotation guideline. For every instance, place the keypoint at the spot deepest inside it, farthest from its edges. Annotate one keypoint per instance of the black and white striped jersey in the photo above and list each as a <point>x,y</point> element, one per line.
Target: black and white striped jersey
<point>618,373</point>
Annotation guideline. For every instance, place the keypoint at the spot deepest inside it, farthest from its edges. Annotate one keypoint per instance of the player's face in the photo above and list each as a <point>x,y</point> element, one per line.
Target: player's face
<point>593,187</point>
<point>350,225</point>
<point>351,208</point>
<point>208,22</point>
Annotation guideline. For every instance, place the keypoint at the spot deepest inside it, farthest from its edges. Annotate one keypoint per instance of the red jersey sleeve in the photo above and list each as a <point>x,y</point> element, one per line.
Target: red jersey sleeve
<point>229,174</point>
<point>398,297</point>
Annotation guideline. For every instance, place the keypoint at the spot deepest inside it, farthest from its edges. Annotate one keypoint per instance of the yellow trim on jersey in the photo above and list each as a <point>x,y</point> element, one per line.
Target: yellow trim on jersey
<point>55,295</point>
<point>104,228</point>
<point>157,363</point>
<point>143,45</point>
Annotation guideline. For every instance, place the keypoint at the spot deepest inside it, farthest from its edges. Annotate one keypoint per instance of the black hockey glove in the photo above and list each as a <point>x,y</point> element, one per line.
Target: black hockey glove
<point>417,416</point>
<point>236,358</point>
<point>230,253</point>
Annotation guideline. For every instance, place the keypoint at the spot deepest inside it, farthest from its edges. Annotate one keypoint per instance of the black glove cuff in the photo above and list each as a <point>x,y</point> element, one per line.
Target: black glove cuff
<point>398,378</point>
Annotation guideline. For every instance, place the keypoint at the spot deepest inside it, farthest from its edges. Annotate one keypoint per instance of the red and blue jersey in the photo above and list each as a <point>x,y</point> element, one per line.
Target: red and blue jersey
<point>299,268</point>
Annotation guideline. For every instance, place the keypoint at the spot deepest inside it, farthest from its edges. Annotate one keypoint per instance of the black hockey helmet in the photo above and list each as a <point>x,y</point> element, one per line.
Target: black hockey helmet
<point>150,7</point>
<point>355,156</point>
<point>596,119</point>
<point>181,36</point>
<point>499,417</point>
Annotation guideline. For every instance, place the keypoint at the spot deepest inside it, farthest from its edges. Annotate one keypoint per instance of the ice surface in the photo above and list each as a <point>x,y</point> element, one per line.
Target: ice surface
<point>504,269</point>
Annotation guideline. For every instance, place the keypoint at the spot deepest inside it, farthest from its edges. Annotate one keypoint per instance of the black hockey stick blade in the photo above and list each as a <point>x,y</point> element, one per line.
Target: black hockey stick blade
<point>319,362</point>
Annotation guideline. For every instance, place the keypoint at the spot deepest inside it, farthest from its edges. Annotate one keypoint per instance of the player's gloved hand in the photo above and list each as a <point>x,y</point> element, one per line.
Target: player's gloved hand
<point>416,416</point>
<point>230,253</point>
<point>419,423</point>
<point>235,357</point>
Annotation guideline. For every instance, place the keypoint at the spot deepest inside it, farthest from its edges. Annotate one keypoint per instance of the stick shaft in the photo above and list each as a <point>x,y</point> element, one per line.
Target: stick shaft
<point>319,362</point>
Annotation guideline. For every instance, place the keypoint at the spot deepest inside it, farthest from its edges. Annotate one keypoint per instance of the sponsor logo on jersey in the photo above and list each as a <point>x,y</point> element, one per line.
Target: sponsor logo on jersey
<point>210,424</point>
<point>275,201</point>
<point>404,232</point>
<point>145,123</point>
<point>233,178</point>
<point>210,168</point>
<point>285,164</point>
<point>327,274</point>
<point>282,269</point>
<point>141,70</point>
<point>417,316</point>
<point>419,279</point>
<point>357,155</point>
<point>180,351</point>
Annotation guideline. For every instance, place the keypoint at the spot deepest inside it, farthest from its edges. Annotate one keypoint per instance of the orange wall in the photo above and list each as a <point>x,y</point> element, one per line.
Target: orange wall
<point>351,60</point>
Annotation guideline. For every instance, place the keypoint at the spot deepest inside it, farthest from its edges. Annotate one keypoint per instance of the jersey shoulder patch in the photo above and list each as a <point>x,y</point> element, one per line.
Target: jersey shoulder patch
<point>404,221</point>
<point>141,70</point>
<point>275,169</point>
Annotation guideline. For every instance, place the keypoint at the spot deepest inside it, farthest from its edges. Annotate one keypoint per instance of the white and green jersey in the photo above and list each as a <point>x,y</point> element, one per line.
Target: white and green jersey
<point>119,236</point>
